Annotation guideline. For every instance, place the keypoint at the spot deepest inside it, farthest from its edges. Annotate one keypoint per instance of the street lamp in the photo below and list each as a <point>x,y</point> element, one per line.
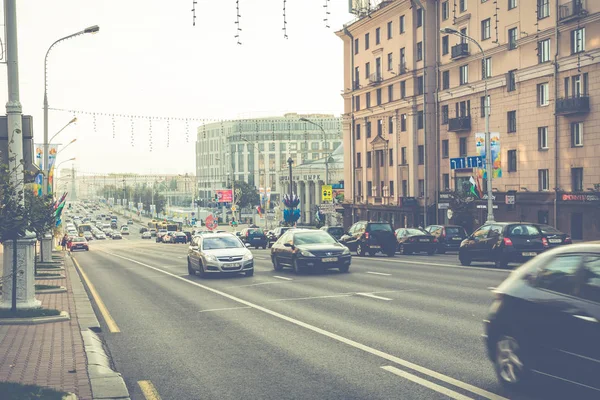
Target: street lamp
<point>329,158</point>
<point>67,145</point>
<point>91,29</point>
<point>62,129</point>
<point>58,166</point>
<point>488,141</point>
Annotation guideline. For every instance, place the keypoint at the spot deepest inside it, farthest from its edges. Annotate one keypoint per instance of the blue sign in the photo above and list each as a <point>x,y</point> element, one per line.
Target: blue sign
<point>466,162</point>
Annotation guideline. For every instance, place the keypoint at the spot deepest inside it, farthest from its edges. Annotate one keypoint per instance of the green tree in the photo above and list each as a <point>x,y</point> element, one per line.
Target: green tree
<point>173,184</point>
<point>463,209</point>
<point>249,195</point>
<point>39,214</point>
<point>13,221</point>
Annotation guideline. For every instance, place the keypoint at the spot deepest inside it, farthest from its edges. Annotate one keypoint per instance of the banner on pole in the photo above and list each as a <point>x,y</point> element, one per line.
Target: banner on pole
<point>495,149</point>
<point>224,196</point>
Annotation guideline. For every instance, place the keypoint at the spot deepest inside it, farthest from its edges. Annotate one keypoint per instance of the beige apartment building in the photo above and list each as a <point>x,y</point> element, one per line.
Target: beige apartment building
<point>414,100</point>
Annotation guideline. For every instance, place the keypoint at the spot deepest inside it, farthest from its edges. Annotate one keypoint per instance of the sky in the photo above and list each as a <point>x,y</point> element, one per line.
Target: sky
<point>148,60</point>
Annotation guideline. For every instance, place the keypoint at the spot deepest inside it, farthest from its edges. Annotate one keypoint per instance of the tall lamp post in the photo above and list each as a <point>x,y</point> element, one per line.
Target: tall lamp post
<point>266,174</point>
<point>58,166</point>
<point>488,141</point>
<point>91,29</point>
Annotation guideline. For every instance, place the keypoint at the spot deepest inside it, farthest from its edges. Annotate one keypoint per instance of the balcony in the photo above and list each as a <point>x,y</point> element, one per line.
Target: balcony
<point>461,50</point>
<point>375,79</point>
<point>460,124</point>
<point>571,10</point>
<point>573,105</point>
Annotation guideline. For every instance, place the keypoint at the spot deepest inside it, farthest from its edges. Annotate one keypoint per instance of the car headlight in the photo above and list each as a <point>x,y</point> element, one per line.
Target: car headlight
<point>305,253</point>
<point>346,251</point>
<point>248,256</point>
<point>210,257</point>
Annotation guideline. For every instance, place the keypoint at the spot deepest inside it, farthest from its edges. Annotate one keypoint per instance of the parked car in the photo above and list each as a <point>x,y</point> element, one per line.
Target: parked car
<point>219,253</point>
<point>413,240</point>
<point>274,234</point>
<point>78,243</point>
<point>117,236</point>
<point>336,231</point>
<point>255,237</point>
<point>370,237</point>
<point>302,249</point>
<point>545,321</point>
<point>146,235</point>
<point>554,236</point>
<point>449,237</point>
<point>503,243</point>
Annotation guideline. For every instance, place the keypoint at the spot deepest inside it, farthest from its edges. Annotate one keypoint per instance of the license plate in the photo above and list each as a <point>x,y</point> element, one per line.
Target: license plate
<point>456,238</point>
<point>555,240</point>
<point>232,265</point>
<point>329,259</point>
<point>374,246</point>
<point>529,254</point>
<point>423,240</point>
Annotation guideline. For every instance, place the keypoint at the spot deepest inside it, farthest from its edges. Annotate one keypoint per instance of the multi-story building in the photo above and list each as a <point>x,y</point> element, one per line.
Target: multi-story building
<point>256,150</point>
<point>414,100</point>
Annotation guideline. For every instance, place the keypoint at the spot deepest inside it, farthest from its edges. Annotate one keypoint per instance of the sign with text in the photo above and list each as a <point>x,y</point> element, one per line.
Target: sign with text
<point>466,162</point>
<point>224,196</point>
<point>326,193</point>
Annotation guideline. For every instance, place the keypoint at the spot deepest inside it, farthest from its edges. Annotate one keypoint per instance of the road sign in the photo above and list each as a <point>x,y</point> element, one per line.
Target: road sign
<point>327,208</point>
<point>466,162</point>
<point>233,208</point>
<point>326,193</point>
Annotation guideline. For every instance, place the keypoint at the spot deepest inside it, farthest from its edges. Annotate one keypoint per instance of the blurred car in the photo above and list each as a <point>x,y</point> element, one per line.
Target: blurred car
<point>179,237</point>
<point>101,236</point>
<point>129,222</point>
<point>255,237</point>
<point>116,235</point>
<point>168,237</point>
<point>160,234</point>
<point>545,321</point>
<point>153,232</point>
<point>78,243</point>
<point>503,243</point>
<point>449,237</point>
<point>554,236</point>
<point>146,235</point>
<point>143,229</point>
<point>413,240</point>
<point>219,253</point>
<point>125,230</point>
<point>88,235</point>
<point>274,234</point>
<point>303,249</point>
<point>336,231</point>
<point>109,232</point>
<point>188,235</point>
<point>371,237</point>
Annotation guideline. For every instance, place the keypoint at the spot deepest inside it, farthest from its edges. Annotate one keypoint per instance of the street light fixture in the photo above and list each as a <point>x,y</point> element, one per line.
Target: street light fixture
<point>91,29</point>
<point>328,159</point>
<point>62,129</point>
<point>67,145</point>
<point>488,140</point>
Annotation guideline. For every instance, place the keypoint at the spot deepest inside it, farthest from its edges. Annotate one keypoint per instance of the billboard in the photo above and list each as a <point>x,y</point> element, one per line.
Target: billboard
<point>224,195</point>
<point>495,149</point>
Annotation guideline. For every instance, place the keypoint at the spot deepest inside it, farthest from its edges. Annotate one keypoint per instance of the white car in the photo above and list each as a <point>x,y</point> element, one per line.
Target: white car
<point>146,235</point>
<point>124,230</point>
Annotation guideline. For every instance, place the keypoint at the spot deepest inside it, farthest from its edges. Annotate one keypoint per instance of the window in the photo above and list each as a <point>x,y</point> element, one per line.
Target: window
<point>543,8</point>
<point>486,67</point>
<point>379,127</point>
<point>368,99</point>
<point>378,93</point>
<point>402,61</point>
<point>445,45</point>
<point>543,94</point>
<point>543,180</point>
<point>377,36</point>
<point>543,51</point>
<point>357,131</point>
<point>368,159</point>
<point>576,134</point>
<point>359,188</point>
<point>390,93</point>
<point>420,119</point>
<point>512,4</point>
<point>402,89</point>
<point>445,80</point>
<point>419,17</point>
<point>444,115</point>
<point>369,188</point>
<point>368,127</point>
<point>445,181</point>
<point>391,188</point>
<point>421,154</point>
<point>367,70</point>
<point>419,86</point>
<point>512,161</point>
<point>590,286</point>
<point>404,187</point>
<point>403,155</point>
<point>390,125</point>
<point>512,38</point>
<point>511,80</point>
<point>356,46</point>
<point>380,156</point>
<point>511,121</point>
<point>445,149</point>
<point>543,137</point>
<point>483,104</point>
<point>577,40</point>
<point>366,41</point>
<point>463,5</point>
<point>559,274</point>
<point>389,29</point>
<point>577,179</point>
<point>464,74</point>
<point>419,51</point>
<point>462,147</point>
<point>421,188</point>
<point>390,63</point>
<point>485,29</point>
<point>463,108</point>
<point>445,10</point>
<point>401,24</point>
<point>358,160</point>
<point>403,122</point>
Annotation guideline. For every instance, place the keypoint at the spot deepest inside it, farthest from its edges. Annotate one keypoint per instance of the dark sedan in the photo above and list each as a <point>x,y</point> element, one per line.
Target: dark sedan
<point>336,231</point>
<point>545,322</point>
<point>554,236</point>
<point>179,237</point>
<point>449,237</point>
<point>411,240</point>
<point>275,234</point>
<point>303,249</point>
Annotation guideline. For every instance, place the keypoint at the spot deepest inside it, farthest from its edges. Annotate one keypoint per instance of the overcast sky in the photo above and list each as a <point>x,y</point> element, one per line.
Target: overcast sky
<point>148,60</point>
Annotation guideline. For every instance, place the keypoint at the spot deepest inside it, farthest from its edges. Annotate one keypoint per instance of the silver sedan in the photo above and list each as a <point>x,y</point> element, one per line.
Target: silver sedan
<point>219,253</point>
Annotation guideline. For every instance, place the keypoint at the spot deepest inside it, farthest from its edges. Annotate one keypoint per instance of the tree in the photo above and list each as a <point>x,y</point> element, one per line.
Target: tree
<point>39,215</point>
<point>173,185</point>
<point>13,221</point>
<point>249,195</point>
<point>462,207</point>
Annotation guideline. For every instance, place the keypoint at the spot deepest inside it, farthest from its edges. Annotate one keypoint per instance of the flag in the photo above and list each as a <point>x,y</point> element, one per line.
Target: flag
<point>59,210</point>
<point>479,190</point>
<point>473,189</point>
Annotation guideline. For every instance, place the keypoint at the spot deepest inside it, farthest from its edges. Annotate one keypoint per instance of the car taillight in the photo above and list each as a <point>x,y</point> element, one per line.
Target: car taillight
<point>367,235</point>
<point>507,242</point>
<point>443,235</point>
<point>568,240</point>
<point>545,242</point>
<point>434,240</point>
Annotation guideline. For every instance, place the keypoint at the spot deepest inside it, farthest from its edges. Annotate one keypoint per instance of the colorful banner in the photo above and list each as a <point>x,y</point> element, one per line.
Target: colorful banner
<point>495,149</point>
<point>39,161</point>
<point>224,196</point>
<point>52,150</point>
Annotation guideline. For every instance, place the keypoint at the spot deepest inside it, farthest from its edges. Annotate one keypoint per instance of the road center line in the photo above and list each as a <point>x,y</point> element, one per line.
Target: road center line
<point>373,296</point>
<point>282,277</point>
<point>148,390</point>
<point>378,273</point>
<point>423,382</point>
<point>225,309</point>
<point>255,284</point>
<point>331,335</point>
<point>315,297</point>
<point>403,260</point>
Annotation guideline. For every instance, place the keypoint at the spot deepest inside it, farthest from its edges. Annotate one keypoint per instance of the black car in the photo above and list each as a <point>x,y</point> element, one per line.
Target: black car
<point>143,229</point>
<point>412,240</point>
<point>255,237</point>
<point>179,237</point>
<point>370,237</point>
<point>545,321</point>
<point>275,234</point>
<point>554,236</point>
<point>188,234</point>
<point>303,249</point>
<point>336,231</point>
<point>503,243</point>
<point>449,237</point>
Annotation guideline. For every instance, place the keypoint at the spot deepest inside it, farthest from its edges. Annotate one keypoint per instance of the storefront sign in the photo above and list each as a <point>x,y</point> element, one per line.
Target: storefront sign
<point>445,196</point>
<point>443,206</point>
<point>509,199</point>
<point>306,177</point>
<point>407,201</point>
<point>579,197</point>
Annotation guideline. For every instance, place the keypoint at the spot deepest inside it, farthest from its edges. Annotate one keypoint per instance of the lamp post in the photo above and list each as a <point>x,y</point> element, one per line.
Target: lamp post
<point>59,164</point>
<point>91,29</point>
<point>290,161</point>
<point>62,129</point>
<point>488,141</point>
<point>266,174</point>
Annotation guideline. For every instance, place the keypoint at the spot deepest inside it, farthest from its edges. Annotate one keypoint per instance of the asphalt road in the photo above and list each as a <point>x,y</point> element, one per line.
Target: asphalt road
<point>407,327</point>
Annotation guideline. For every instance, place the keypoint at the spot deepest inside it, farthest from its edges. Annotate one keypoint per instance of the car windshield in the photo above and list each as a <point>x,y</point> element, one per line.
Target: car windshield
<point>223,242</point>
<point>455,230</point>
<point>79,239</point>
<point>255,231</point>
<point>338,230</point>
<point>316,237</point>
<point>416,232</point>
<point>380,227</point>
<point>549,229</point>
<point>523,230</point>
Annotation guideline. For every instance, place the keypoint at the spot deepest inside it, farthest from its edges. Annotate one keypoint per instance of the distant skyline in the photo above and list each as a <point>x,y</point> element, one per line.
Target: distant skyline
<point>148,60</point>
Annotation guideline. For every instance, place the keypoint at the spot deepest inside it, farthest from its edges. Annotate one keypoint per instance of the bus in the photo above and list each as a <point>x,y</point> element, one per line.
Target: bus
<point>153,224</point>
<point>84,228</point>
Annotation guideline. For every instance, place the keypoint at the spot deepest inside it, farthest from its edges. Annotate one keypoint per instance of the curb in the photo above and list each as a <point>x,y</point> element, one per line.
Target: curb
<point>64,316</point>
<point>47,278</point>
<point>61,289</point>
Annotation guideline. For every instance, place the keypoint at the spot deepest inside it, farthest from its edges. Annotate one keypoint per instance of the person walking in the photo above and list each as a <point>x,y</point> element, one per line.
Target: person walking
<point>64,241</point>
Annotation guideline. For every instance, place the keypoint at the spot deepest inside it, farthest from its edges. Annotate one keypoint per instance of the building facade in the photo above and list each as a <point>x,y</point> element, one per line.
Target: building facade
<point>256,150</point>
<point>414,100</point>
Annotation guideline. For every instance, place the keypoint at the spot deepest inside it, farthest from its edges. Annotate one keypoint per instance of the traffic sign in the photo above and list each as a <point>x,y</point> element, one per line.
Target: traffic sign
<point>233,208</point>
<point>326,193</point>
<point>466,162</point>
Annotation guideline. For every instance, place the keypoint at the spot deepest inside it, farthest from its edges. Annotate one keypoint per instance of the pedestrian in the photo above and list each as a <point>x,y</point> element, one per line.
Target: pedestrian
<point>64,241</point>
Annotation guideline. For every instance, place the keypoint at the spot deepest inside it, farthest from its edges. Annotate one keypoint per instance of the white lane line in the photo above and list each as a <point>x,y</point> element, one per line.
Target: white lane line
<point>373,296</point>
<point>282,277</point>
<point>423,382</point>
<point>378,273</point>
<point>254,284</point>
<point>402,260</point>
<point>224,309</point>
<point>315,297</point>
<point>334,336</point>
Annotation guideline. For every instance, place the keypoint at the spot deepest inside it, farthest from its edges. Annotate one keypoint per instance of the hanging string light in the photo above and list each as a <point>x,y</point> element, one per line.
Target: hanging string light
<point>113,126</point>
<point>150,132</point>
<point>95,128</point>
<point>326,7</point>
<point>132,137</point>
<point>187,131</point>
<point>285,36</point>
<point>237,21</point>
<point>194,2</point>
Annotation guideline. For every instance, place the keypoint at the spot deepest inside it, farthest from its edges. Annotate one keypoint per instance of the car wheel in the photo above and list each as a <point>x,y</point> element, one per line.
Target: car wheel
<point>249,273</point>
<point>255,247</point>
<point>344,268</point>
<point>509,363</point>
<point>190,269</point>
<point>276,265</point>
<point>391,253</point>
<point>297,268</point>
<point>264,247</point>
<point>201,272</point>
<point>464,259</point>
<point>360,250</point>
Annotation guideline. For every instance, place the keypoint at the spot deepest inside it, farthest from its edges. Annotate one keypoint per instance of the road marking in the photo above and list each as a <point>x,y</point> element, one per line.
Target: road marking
<point>254,284</point>
<point>282,277</point>
<point>373,296</point>
<point>225,309</point>
<point>148,390</point>
<point>424,382</point>
<point>378,273</point>
<point>334,336</point>
<point>315,297</point>
<point>110,322</point>
<point>399,260</point>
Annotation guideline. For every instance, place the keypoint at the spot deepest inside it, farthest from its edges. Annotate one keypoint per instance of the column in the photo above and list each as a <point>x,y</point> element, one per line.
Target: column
<point>308,208</point>
<point>25,274</point>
